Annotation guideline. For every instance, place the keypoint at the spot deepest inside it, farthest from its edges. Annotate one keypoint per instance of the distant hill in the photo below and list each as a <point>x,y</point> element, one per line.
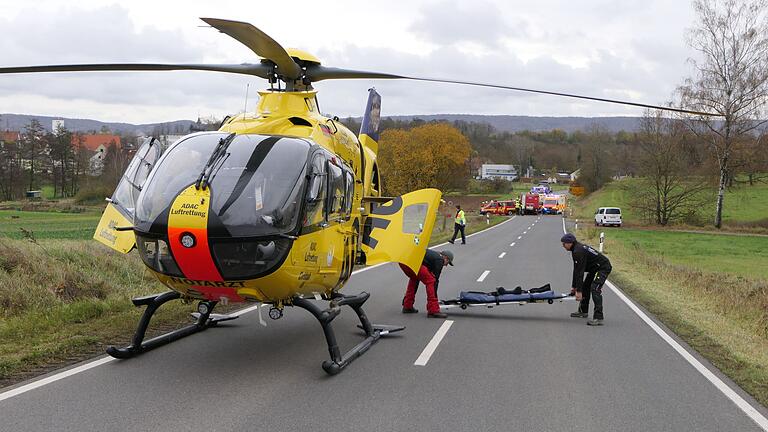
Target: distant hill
<point>502,123</point>
<point>507,123</point>
<point>18,121</point>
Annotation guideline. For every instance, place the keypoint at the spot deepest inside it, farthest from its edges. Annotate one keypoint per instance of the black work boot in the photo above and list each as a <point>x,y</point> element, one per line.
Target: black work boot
<point>437,315</point>
<point>410,310</point>
<point>579,315</point>
<point>595,322</point>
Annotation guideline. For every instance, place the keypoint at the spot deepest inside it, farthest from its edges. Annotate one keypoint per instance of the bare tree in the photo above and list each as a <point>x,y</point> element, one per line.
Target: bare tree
<point>596,169</point>
<point>670,187</point>
<point>730,78</point>
<point>34,145</point>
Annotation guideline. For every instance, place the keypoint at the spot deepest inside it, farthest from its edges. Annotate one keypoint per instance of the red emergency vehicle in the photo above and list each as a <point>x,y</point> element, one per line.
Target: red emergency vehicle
<point>531,204</point>
<point>499,208</point>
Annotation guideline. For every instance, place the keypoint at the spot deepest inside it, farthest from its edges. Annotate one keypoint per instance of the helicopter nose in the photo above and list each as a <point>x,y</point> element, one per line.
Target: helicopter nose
<point>188,235</point>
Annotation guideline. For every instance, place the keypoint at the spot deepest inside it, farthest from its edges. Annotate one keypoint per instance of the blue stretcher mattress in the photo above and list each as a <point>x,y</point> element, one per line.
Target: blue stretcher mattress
<point>478,297</point>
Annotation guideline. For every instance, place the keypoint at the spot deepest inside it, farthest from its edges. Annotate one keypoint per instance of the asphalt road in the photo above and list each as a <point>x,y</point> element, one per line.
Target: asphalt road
<point>529,368</point>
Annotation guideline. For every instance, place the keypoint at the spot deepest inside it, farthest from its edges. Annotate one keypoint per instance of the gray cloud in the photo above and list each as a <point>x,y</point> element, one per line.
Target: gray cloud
<point>646,63</point>
<point>449,22</point>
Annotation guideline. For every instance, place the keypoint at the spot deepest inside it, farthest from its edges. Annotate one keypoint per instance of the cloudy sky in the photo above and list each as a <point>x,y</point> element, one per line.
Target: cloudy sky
<point>628,49</point>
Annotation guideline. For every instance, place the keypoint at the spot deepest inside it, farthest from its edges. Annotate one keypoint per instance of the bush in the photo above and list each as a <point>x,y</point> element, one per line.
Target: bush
<point>93,194</point>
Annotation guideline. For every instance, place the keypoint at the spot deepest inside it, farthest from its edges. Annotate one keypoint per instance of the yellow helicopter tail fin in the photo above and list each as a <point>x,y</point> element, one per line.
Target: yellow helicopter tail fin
<point>400,230</point>
<point>369,129</point>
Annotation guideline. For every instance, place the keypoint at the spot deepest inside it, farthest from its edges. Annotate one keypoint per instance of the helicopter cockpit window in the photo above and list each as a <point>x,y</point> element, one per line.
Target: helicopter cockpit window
<point>336,191</point>
<point>316,191</point>
<point>255,189</point>
<point>135,175</point>
<point>349,185</point>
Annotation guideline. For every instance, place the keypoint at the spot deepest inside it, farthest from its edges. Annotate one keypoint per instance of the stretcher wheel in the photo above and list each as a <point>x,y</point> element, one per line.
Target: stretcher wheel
<point>463,306</point>
<point>550,301</point>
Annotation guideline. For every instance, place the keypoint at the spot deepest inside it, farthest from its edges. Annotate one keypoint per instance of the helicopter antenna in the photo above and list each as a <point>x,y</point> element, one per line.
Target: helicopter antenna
<point>245,106</point>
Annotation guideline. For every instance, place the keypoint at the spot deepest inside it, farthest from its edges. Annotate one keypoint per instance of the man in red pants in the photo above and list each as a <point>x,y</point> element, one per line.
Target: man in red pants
<point>429,275</point>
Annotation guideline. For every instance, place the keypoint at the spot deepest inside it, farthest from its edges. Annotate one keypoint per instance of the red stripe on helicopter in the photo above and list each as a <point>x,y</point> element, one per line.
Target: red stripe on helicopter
<point>196,261</point>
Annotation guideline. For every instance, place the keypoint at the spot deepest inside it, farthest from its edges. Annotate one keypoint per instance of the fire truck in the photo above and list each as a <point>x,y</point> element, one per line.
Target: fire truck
<point>531,203</point>
<point>499,208</point>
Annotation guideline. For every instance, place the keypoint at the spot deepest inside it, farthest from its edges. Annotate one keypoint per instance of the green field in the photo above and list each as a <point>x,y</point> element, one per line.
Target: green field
<point>742,204</point>
<point>48,225</point>
<point>745,256</point>
<point>710,289</point>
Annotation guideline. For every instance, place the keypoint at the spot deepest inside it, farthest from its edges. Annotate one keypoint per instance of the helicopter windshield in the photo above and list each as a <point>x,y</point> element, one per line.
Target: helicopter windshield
<point>255,188</point>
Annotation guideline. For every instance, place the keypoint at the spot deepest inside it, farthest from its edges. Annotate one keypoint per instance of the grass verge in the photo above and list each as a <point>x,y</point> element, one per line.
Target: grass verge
<point>721,314</point>
<point>475,223</point>
<point>64,300</point>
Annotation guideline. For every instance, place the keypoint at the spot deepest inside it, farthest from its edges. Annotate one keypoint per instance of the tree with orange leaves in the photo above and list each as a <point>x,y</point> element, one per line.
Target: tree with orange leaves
<point>433,155</point>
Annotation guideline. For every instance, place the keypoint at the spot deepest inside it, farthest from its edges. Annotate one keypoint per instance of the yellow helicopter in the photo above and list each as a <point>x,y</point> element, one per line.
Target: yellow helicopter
<point>276,207</point>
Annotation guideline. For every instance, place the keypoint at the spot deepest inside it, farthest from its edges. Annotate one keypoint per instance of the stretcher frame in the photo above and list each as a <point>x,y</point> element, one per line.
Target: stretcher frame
<point>457,303</point>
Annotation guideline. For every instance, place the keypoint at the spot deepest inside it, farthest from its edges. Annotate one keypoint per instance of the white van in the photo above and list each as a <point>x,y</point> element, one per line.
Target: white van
<point>608,216</point>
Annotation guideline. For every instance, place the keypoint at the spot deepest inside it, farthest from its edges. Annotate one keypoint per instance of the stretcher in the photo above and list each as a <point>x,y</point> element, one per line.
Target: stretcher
<point>503,297</point>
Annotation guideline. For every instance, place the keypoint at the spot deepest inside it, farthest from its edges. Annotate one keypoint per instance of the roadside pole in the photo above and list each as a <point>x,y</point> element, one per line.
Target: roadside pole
<point>602,240</point>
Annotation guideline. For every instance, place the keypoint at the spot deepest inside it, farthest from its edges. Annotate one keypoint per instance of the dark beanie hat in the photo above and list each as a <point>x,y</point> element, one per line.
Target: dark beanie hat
<point>568,238</point>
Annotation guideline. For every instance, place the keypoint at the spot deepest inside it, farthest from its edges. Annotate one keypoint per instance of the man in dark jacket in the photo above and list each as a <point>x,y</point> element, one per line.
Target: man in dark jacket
<point>429,275</point>
<point>598,267</point>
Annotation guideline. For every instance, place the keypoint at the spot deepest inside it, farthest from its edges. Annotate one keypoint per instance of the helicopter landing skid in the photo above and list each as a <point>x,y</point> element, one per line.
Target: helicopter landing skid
<point>373,332</point>
<point>204,319</point>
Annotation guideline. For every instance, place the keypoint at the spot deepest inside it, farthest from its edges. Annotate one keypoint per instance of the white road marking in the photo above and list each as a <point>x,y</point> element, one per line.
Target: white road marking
<point>53,378</point>
<point>525,232</point>
<point>519,237</point>
<point>502,255</point>
<point>483,276</point>
<point>246,310</point>
<point>432,345</point>
<point>745,406</point>
<point>748,409</point>
<point>512,244</point>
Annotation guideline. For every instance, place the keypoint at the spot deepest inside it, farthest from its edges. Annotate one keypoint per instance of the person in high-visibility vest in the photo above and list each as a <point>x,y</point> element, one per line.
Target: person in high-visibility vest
<point>459,223</point>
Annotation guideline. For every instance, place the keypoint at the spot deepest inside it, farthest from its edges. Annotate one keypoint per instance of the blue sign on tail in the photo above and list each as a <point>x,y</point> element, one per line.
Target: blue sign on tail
<point>372,116</point>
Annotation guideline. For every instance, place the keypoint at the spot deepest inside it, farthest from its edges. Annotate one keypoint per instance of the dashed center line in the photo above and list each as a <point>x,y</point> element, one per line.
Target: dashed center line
<point>512,244</point>
<point>483,276</point>
<point>525,232</point>
<point>519,237</point>
<point>502,255</point>
<point>432,345</point>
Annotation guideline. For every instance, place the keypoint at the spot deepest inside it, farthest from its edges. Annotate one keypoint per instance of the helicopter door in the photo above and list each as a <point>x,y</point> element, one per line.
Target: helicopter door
<point>399,230</point>
<point>121,208</point>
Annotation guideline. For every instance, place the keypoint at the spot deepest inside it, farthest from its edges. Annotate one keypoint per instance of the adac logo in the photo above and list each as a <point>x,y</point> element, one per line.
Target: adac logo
<point>191,209</point>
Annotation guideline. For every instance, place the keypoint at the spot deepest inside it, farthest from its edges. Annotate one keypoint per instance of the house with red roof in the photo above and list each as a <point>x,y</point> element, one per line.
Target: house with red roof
<point>10,136</point>
<point>98,144</point>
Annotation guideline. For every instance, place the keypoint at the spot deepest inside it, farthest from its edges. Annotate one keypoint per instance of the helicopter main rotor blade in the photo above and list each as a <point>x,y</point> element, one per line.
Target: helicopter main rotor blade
<point>318,73</point>
<point>259,70</point>
<point>260,43</point>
